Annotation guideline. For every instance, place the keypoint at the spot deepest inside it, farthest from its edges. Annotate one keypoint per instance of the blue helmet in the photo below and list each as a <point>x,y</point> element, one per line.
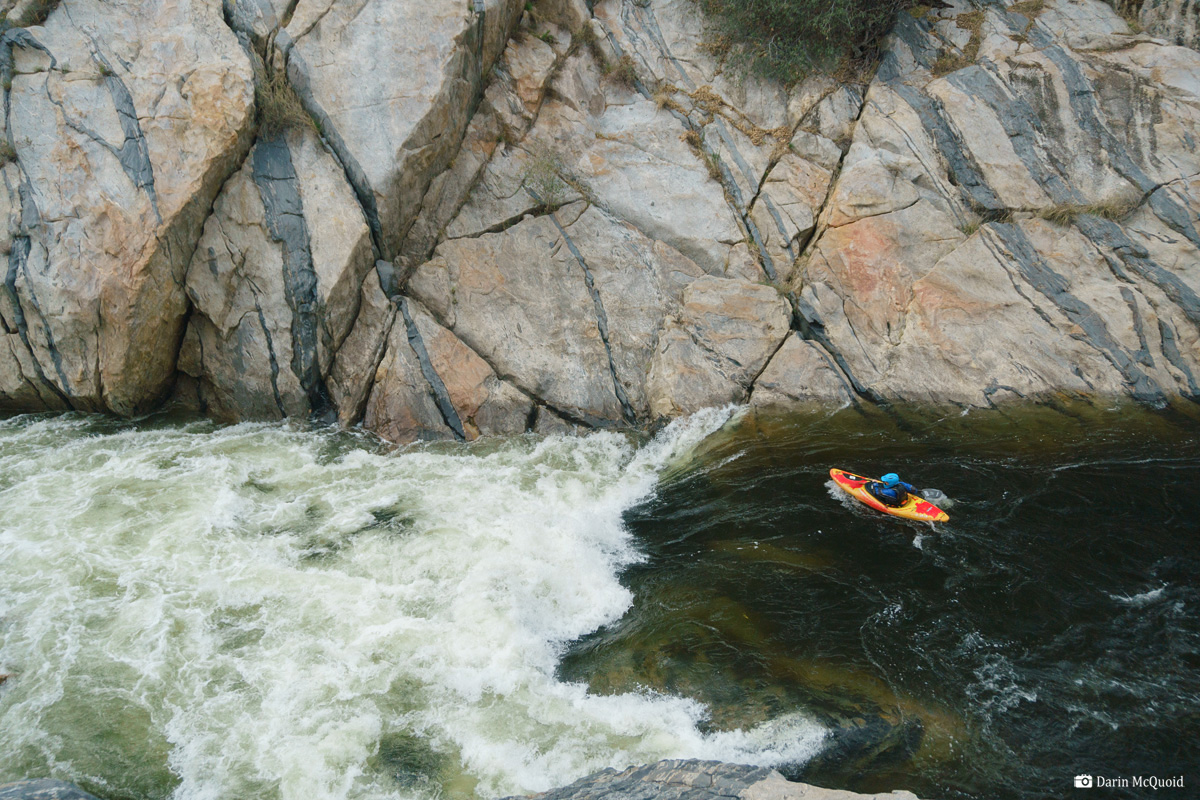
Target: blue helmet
<point>891,479</point>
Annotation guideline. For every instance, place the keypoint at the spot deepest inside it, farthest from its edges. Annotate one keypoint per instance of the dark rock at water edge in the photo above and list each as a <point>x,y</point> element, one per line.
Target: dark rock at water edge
<point>700,780</point>
<point>44,789</point>
<point>862,744</point>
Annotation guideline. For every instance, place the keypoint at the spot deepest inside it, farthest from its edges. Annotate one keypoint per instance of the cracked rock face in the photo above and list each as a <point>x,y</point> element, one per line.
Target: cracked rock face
<point>573,217</point>
<point>607,261</point>
<point>401,408</point>
<point>275,283</point>
<point>123,119</point>
<point>717,345</point>
<point>393,107</point>
<point>1177,21</point>
<point>1022,225</point>
<point>801,374</point>
<point>521,299</point>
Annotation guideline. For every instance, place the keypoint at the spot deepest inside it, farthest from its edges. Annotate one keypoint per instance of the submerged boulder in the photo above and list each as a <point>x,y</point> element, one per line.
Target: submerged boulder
<point>44,789</point>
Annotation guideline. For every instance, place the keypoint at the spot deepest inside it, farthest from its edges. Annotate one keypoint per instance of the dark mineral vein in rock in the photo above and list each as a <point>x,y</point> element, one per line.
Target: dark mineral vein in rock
<point>808,323</point>
<point>355,175</point>
<point>134,153</point>
<point>272,360</point>
<point>1142,356</point>
<point>1109,236</point>
<point>441,397</point>
<point>964,172</point>
<point>1170,350</point>
<point>275,176</point>
<point>601,321</point>
<point>1055,288</point>
<point>1021,123</point>
<point>17,258</point>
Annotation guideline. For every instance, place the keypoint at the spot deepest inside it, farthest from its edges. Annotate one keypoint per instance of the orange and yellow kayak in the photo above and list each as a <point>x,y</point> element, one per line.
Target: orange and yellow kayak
<point>915,508</point>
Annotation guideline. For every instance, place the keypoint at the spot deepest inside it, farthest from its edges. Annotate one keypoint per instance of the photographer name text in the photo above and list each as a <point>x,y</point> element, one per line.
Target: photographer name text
<point>1137,782</point>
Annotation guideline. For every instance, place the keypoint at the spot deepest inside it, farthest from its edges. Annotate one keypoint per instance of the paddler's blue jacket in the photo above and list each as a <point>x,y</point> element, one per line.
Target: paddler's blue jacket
<point>891,495</point>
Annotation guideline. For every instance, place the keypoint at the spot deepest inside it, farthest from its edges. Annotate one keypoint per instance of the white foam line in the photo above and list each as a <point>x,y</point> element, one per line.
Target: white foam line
<point>1140,599</point>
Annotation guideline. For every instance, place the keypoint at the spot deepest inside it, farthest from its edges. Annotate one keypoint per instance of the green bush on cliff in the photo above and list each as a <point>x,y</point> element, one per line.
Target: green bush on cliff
<point>787,39</point>
<point>27,15</point>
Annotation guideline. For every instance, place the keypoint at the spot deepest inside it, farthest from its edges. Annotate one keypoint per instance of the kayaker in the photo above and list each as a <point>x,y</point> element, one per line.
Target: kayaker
<point>890,490</point>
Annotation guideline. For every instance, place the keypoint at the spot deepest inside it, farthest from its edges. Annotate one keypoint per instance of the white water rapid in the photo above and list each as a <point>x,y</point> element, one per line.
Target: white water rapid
<point>262,611</point>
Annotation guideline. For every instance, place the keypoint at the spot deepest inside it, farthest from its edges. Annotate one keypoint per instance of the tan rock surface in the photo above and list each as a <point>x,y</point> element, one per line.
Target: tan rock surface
<point>629,156</point>
<point>354,366</point>
<point>401,406</point>
<point>485,404</point>
<point>519,299</point>
<point>393,106</point>
<point>701,780</point>
<point>800,373</point>
<point>1010,208</point>
<point>711,353</point>
<point>125,119</point>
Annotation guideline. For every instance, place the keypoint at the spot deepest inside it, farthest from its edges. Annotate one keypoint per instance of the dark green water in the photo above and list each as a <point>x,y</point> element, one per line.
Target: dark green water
<point>1051,628</point>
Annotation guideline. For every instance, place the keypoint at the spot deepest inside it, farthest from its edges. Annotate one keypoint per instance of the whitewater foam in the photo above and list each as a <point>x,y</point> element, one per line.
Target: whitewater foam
<point>1141,599</point>
<point>266,611</point>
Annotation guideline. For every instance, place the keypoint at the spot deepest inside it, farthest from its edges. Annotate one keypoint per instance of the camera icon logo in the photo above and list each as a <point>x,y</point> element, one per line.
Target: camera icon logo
<point>1083,781</point>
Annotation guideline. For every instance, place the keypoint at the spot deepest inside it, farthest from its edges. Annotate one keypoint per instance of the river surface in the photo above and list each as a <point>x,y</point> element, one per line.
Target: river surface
<point>272,611</point>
